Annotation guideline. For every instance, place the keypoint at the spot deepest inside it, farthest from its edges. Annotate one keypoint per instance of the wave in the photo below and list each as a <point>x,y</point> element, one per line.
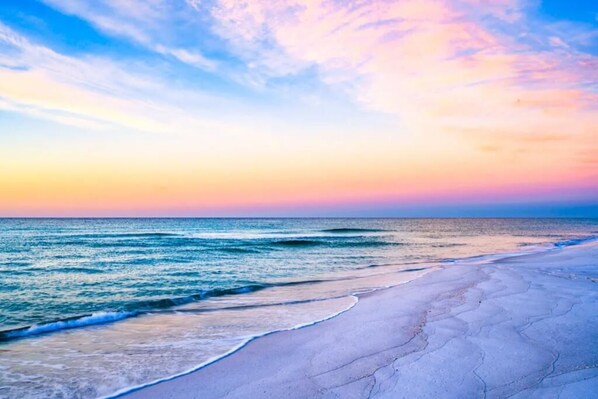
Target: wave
<point>335,237</point>
<point>260,305</point>
<point>239,250</point>
<point>118,235</point>
<point>15,264</point>
<point>574,241</point>
<point>447,245</point>
<point>131,235</point>
<point>527,244</point>
<point>149,305</point>
<point>82,270</point>
<point>65,324</point>
<point>346,230</point>
<point>138,308</point>
<point>254,245</point>
<point>298,243</point>
<point>415,269</point>
<point>332,243</point>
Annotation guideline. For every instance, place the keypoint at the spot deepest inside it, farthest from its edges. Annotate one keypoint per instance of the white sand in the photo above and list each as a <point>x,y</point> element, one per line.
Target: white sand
<point>521,327</point>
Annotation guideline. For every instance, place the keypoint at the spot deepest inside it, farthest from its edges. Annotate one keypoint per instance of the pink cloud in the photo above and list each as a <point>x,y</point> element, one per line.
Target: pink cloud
<point>434,64</point>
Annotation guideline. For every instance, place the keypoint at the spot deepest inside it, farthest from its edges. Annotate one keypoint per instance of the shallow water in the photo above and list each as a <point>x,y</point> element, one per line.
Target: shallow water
<point>89,307</point>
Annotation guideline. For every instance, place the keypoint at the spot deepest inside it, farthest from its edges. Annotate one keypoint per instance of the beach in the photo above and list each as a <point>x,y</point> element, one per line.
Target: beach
<point>521,326</point>
<point>299,307</point>
<point>298,199</point>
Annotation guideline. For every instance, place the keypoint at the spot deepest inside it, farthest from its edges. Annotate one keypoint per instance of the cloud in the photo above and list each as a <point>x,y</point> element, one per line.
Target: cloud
<point>437,65</point>
<point>94,92</point>
<point>62,117</point>
<point>154,24</point>
<point>188,57</point>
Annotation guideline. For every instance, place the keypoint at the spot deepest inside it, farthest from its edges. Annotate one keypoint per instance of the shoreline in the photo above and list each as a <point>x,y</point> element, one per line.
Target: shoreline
<point>232,351</point>
<point>229,376</point>
<point>356,296</point>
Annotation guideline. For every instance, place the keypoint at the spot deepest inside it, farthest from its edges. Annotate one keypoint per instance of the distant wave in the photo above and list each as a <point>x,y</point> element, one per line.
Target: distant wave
<point>447,245</point>
<point>351,230</point>
<point>74,269</point>
<point>229,245</point>
<point>332,243</point>
<point>15,264</point>
<point>238,250</point>
<point>234,244</point>
<point>124,235</point>
<point>298,243</point>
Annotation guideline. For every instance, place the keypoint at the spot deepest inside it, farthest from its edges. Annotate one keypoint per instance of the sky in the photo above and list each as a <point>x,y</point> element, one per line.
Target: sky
<point>298,108</point>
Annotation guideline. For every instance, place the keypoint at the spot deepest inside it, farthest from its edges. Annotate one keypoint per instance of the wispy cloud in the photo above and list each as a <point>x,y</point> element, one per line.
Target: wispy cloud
<point>94,92</point>
<point>437,65</point>
<point>159,26</point>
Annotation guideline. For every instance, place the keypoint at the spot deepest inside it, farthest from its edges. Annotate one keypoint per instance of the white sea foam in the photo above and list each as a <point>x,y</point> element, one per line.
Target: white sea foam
<point>231,351</point>
<point>94,318</point>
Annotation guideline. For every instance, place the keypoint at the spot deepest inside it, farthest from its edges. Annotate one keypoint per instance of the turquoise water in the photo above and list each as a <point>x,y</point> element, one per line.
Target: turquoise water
<point>89,307</point>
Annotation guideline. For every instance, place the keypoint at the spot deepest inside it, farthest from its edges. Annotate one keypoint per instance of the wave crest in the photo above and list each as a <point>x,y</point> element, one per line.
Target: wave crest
<point>74,322</point>
<point>344,230</point>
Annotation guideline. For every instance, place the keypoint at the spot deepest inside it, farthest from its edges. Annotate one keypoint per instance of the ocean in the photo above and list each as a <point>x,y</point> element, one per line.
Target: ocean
<point>95,307</point>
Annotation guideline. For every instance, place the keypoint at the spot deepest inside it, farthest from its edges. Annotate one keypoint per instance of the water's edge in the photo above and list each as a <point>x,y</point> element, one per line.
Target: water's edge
<point>235,349</point>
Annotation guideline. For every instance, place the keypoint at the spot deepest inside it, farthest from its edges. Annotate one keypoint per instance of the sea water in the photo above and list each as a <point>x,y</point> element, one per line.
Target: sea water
<point>95,307</point>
